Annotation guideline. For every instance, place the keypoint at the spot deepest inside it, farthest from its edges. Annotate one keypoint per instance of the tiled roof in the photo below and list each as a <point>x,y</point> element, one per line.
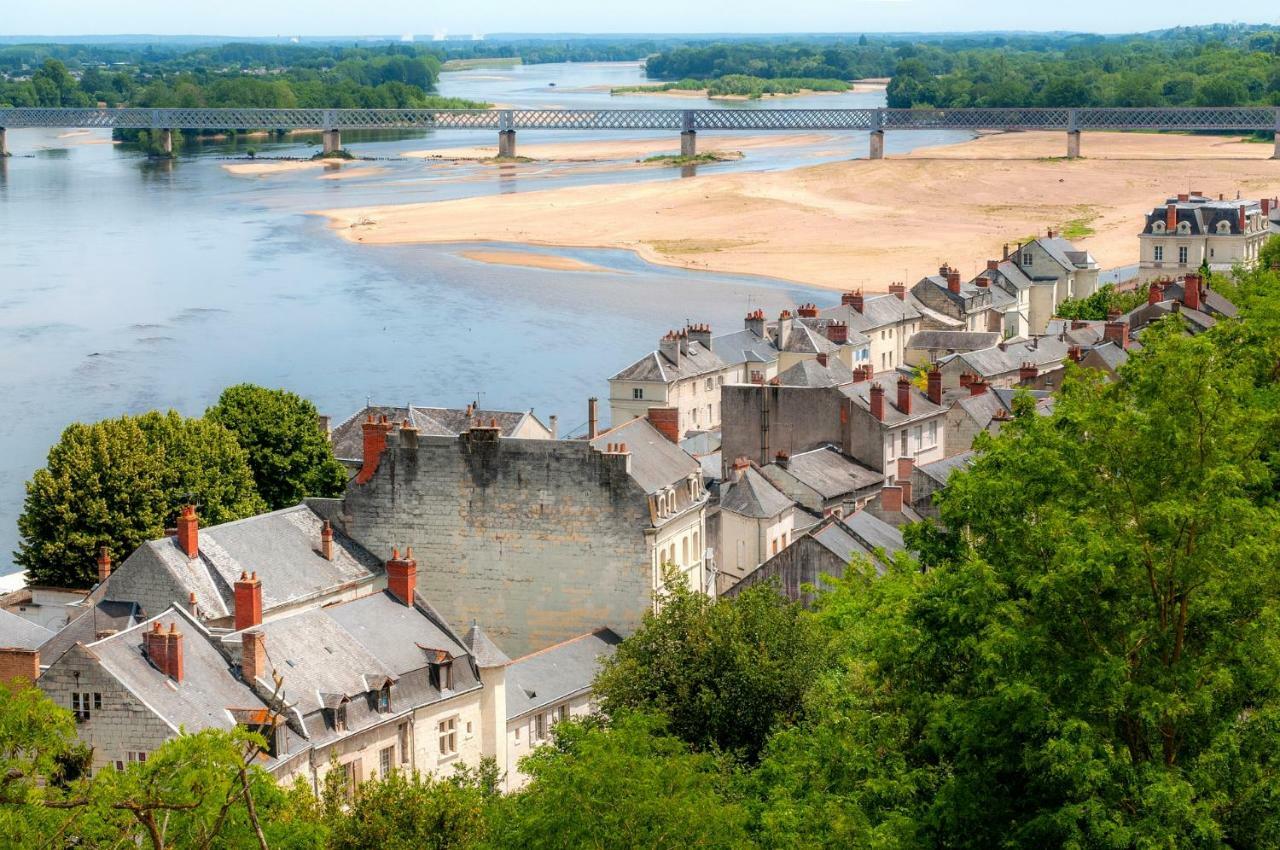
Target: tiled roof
<point>558,672</point>
<point>348,437</point>
<point>656,462</point>
<point>752,495</point>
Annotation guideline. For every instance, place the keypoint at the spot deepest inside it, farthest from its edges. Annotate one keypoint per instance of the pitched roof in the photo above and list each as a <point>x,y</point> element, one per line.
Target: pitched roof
<point>744,346</point>
<point>877,312</point>
<point>811,373</point>
<point>396,634</point>
<point>1064,253</point>
<point>656,462</point>
<point>952,340</point>
<point>801,339</point>
<point>105,616</point>
<point>921,406</point>
<point>869,531</point>
<point>20,633</point>
<point>348,437</point>
<point>752,495</point>
<point>557,672</point>
<point>654,366</point>
<point>941,470</point>
<point>825,471</point>
<point>483,650</point>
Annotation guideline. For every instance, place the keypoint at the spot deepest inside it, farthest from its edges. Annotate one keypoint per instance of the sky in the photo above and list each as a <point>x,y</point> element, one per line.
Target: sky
<point>423,19</point>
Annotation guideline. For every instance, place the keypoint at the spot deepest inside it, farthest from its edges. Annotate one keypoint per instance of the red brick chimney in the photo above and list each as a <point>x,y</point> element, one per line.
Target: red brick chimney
<point>1027,372</point>
<point>253,657</point>
<point>156,644</point>
<point>326,540</point>
<point>1075,354</point>
<point>19,665</point>
<point>174,652</point>
<point>1241,218</point>
<point>853,299</point>
<point>905,467</point>
<point>1182,199</point>
<point>838,333</point>
<point>977,385</point>
<point>966,378</point>
<point>1117,332</point>
<point>402,575</point>
<point>897,290</point>
<point>1171,217</point>
<point>104,564</point>
<point>1051,233</point>
<point>375,443</point>
<point>701,334</point>
<point>755,322</point>
<point>1155,292</point>
<point>877,401</point>
<point>904,394</point>
<point>593,418</point>
<point>189,531</point>
<point>953,280</point>
<point>993,265</point>
<point>891,499</point>
<point>667,421</point>
<point>982,282</point>
<point>1266,207</point>
<point>935,384</point>
<point>248,601</point>
<point>807,311</point>
<point>1191,291</point>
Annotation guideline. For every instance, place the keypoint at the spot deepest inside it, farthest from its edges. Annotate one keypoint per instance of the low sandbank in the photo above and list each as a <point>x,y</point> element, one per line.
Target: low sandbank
<point>530,260</point>
<point>338,167</point>
<point>603,150</point>
<point>859,223</point>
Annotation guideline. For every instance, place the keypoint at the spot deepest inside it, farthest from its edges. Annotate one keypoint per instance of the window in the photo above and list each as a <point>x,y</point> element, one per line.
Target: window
<point>1159,253</point>
<point>517,734</point>
<point>404,741</point>
<point>340,718</point>
<point>933,433</point>
<point>540,727</point>
<point>637,393</point>
<point>1026,258</point>
<point>131,757</point>
<point>905,449</point>
<point>448,730</point>
<point>562,713</point>
<point>386,761</point>
<point>684,551</point>
<point>351,775</point>
<point>384,699</point>
<point>442,675</point>
<point>1182,255</point>
<point>711,384</point>
<point>84,704</point>
<point>468,728</point>
<point>918,435</point>
<point>889,443</point>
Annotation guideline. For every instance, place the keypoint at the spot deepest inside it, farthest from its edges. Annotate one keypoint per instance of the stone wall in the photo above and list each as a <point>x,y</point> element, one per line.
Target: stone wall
<point>761,420</point>
<point>538,540</point>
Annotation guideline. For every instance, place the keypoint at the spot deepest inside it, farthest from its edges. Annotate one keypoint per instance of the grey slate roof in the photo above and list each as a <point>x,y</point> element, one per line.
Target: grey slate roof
<point>869,531</point>
<point>921,406</point>
<point>877,312</point>
<point>656,462</point>
<point>752,495</point>
<point>20,633</point>
<point>819,325</point>
<point>811,373</point>
<point>483,650</point>
<point>557,672</point>
<point>744,346</point>
<point>348,437</point>
<point>952,340</point>
<point>104,616</point>
<point>394,633</point>
<point>1064,253</point>
<point>803,340</point>
<point>941,470</point>
<point>825,471</point>
<point>657,368</point>
<point>1203,214</point>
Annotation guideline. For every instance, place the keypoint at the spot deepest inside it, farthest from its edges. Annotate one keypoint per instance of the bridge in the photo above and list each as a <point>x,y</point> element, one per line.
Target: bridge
<point>688,122</point>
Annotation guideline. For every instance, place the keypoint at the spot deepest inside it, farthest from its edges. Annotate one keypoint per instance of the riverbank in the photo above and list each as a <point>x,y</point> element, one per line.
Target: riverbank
<point>859,223</point>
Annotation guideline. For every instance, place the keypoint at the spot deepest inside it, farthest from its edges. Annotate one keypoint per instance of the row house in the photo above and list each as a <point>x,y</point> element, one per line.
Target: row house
<point>886,321</point>
<point>1057,271</point>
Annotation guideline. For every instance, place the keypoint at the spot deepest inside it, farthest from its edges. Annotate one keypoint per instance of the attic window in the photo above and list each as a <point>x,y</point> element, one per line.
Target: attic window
<point>442,675</point>
<point>1157,227</point>
<point>1184,227</point>
<point>340,718</point>
<point>384,699</point>
<point>1224,227</point>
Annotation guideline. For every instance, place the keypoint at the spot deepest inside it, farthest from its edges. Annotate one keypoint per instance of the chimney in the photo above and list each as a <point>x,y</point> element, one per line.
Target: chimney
<point>1266,207</point>
<point>966,378</point>
<point>248,601</point>
<point>977,385</point>
<point>324,424</point>
<point>683,336</point>
<point>104,564</point>
<point>667,421</point>
<point>891,499</point>
<point>905,466</point>
<point>253,657</point>
<point>1195,193</point>
<point>821,358</point>
<point>553,423</point>
<point>757,377</point>
<point>853,299</point>
<point>670,347</point>
<point>1155,293</point>
<point>375,443</point>
<point>1182,199</point>
<point>1075,354</point>
<point>1077,324</point>
<point>993,265</point>
<point>1171,217</point>
<point>838,333</point>
<point>877,401</point>
<point>740,466</point>
<point>904,394</point>
<point>402,575</point>
<point>189,531</point>
<point>1191,291</point>
<point>1240,218</point>
<point>593,418</point>
<point>156,644</point>
<point>1051,233</point>
<point>1117,332</point>
<point>1004,251</point>
<point>326,540</point>
<point>953,281</point>
<point>192,608</point>
<point>19,665</point>
<point>701,334</point>
<point>174,652</point>
<point>982,282</point>
<point>897,290</point>
<point>784,328</point>
<point>1027,372</point>
<point>782,459</point>
<point>935,384</point>
<point>807,311</point>
<point>755,322</point>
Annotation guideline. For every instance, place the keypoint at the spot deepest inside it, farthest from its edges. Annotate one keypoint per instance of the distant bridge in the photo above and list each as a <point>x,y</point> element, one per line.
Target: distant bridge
<point>688,122</point>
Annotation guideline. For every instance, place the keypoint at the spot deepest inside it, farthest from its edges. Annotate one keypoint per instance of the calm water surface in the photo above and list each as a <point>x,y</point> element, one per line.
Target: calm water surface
<point>127,285</point>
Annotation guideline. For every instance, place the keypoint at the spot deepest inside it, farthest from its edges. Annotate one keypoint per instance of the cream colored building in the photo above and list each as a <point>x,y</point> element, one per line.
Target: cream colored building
<point>1192,230</point>
<point>1057,271</point>
<point>887,321</point>
<point>755,522</point>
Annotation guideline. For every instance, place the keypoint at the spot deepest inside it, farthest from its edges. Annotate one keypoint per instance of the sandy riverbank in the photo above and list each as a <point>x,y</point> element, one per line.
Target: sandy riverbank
<point>602,150</point>
<point>859,223</point>
<point>530,260</point>
<point>338,167</point>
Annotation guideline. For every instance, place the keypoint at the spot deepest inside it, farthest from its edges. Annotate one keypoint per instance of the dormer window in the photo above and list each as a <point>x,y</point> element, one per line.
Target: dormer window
<point>1224,227</point>
<point>1184,227</point>
<point>340,718</point>
<point>384,699</point>
<point>442,676</point>
<point>1157,227</point>
<point>335,711</point>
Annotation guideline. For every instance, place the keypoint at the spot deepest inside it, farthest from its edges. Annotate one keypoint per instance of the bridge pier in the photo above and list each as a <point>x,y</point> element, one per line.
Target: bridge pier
<point>1073,144</point>
<point>4,148</point>
<point>877,144</point>
<point>166,142</point>
<point>332,141</point>
<point>507,144</point>
<point>688,143</point>
<point>1275,155</point>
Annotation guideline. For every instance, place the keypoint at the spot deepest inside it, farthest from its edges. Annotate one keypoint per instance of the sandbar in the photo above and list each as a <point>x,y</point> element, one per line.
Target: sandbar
<point>285,166</point>
<point>600,150</point>
<point>858,223</point>
<point>530,260</point>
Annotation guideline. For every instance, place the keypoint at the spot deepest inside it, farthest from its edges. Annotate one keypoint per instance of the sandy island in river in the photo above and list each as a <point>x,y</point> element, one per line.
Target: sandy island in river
<point>857,223</point>
<point>624,149</point>
<point>338,168</point>
<point>530,260</point>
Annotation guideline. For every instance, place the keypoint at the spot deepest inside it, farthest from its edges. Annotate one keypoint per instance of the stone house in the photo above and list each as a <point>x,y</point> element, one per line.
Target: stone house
<point>347,438</point>
<point>887,321</point>
<point>823,481</point>
<point>1011,290</point>
<point>930,478</point>
<point>932,346</point>
<point>972,306</point>
<point>755,521</point>
<point>1057,271</point>
<point>1191,229</point>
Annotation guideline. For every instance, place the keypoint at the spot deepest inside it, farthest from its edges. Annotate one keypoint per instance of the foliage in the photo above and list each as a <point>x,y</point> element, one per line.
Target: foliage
<point>289,455</point>
<point>1269,255</point>
<point>725,673</point>
<point>625,784</point>
<point>741,85</point>
<point>1102,303</point>
<point>407,811</point>
<point>119,482</point>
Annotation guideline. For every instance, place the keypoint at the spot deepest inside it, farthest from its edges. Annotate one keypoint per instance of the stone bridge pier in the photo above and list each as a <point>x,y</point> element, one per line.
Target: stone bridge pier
<point>507,144</point>
<point>4,147</point>
<point>688,143</point>
<point>166,142</point>
<point>332,140</point>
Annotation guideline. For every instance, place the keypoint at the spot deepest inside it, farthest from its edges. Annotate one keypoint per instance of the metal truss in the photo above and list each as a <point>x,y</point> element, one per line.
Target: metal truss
<point>729,120</point>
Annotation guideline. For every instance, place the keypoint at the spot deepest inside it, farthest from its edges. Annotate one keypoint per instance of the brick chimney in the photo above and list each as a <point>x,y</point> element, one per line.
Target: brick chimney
<point>755,322</point>
<point>1117,332</point>
<point>593,418</point>
<point>782,459</point>
<point>740,465</point>
<point>982,282</point>
<point>174,652</point>
<point>807,311</point>
<point>853,299</point>
<point>156,645</point>
<point>838,333</point>
<point>1266,207</point>
<point>935,384</point>
<point>667,421</point>
<point>189,531</point>
<point>104,564</point>
<point>891,499</point>
<point>248,601</point>
<point>1184,198</point>
<point>1155,292</point>
<point>897,290</point>
<point>904,394</point>
<point>375,443</point>
<point>966,378</point>
<point>1171,217</point>
<point>1191,291</point>
<point>1051,233</point>
<point>977,385</point>
<point>1027,372</point>
<point>1241,219</point>
<point>821,358</point>
<point>402,575</point>
<point>905,467</point>
<point>1075,354</point>
<point>993,265</point>
<point>253,657</point>
<point>670,347</point>
<point>326,540</point>
<point>953,280</point>
<point>701,334</point>
<point>877,401</point>
<point>19,664</point>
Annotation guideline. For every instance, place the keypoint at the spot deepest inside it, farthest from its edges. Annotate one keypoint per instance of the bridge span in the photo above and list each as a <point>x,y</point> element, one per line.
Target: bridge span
<point>688,122</point>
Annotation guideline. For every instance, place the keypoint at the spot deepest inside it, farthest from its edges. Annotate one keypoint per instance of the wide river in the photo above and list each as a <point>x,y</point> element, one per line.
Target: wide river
<point>127,285</point>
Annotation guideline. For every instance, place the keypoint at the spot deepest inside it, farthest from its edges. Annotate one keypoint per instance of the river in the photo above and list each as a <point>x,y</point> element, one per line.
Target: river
<point>127,285</point>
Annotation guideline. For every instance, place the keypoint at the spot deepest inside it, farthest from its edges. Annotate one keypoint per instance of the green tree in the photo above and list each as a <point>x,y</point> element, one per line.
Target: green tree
<point>118,482</point>
<point>1269,255</point>
<point>407,811</point>
<point>725,673</point>
<point>627,785</point>
<point>289,455</point>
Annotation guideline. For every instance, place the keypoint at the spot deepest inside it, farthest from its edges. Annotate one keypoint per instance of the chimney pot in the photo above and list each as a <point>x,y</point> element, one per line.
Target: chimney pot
<point>375,443</point>
<point>248,602</point>
<point>192,608</point>
<point>402,576</point>
<point>877,401</point>
<point>326,540</point>
<point>104,564</point>
<point>189,531</point>
<point>898,290</point>
<point>977,385</point>
<point>935,384</point>
<point>853,299</point>
<point>904,394</point>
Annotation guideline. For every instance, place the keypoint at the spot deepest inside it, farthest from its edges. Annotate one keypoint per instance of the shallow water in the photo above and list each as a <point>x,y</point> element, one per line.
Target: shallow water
<point>127,285</point>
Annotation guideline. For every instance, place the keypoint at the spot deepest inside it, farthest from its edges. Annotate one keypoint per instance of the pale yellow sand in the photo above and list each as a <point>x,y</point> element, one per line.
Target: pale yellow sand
<point>531,260</point>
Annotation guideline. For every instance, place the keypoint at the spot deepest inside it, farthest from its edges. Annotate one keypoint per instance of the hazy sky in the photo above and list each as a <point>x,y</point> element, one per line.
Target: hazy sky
<point>387,17</point>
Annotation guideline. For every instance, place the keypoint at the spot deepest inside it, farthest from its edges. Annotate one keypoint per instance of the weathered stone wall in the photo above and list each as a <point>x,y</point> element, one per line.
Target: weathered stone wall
<point>538,540</point>
<point>797,419</point>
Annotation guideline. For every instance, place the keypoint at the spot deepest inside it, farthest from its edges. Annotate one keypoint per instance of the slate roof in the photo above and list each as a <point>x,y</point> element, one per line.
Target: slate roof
<point>952,340</point>
<point>657,368</point>
<point>869,531</point>
<point>347,438</point>
<point>921,406</point>
<point>818,324</point>
<point>752,495</point>
<point>656,462</point>
<point>744,346</point>
<point>20,633</point>
<point>483,650</point>
<point>104,616</point>
<point>1009,276</point>
<point>992,362</point>
<point>877,312</point>
<point>801,339</point>
<point>1111,355</point>
<point>941,470</point>
<point>395,634</point>
<point>825,471</point>
<point>557,672</point>
<point>1211,300</point>
<point>1065,254</point>
<point>811,373</point>
<point>1202,214</point>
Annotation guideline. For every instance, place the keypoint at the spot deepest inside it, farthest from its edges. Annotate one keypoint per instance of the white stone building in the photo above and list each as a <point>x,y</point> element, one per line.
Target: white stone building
<point>1191,230</point>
